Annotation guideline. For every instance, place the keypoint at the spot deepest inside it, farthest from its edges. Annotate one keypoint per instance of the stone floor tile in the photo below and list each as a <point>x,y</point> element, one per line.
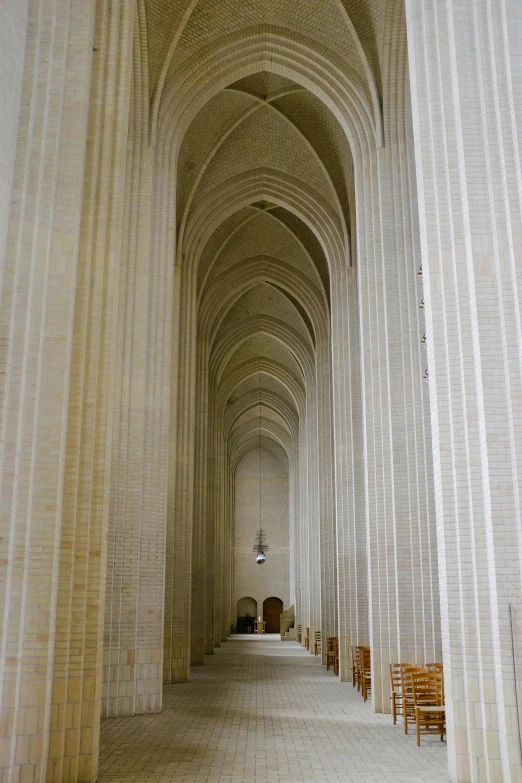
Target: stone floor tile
<point>265,711</point>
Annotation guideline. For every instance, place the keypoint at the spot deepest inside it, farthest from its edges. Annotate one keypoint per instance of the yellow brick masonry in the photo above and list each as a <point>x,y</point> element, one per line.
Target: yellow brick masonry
<point>164,256</point>
<point>133,634</point>
<point>37,314</point>
<point>75,714</point>
<point>467,117</point>
<point>58,320</point>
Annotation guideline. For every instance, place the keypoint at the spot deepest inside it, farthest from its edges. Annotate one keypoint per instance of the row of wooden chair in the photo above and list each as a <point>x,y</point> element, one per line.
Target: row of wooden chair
<point>317,641</point>
<point>332,654</point>
<point>417,693</point>
<point>332,648</point>
<point>361,670</point>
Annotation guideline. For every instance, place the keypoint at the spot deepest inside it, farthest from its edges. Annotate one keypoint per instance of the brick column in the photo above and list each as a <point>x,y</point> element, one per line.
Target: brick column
<point>180,505</point>
<point>37,316</point>
<point>466,78</point>
<point>349,473</point>
<point>13,32</point>
<point>82,559</point>
<point>135,593</point>
<point>403,597</point>
<point>60,302</point>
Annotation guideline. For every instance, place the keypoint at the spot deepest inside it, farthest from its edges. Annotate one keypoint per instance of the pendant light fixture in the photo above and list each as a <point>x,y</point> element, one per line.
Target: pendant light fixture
<point>260,546</point>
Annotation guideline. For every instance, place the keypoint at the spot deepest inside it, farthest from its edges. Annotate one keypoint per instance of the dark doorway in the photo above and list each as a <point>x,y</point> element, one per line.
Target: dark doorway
<point>246,614</point>
<point>272,609</point>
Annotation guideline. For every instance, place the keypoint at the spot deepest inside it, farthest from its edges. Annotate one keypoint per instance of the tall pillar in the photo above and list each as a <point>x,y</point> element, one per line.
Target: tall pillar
<point>200,561</point>
<point>349,475</point>
<point>466,79</point>
<point>210,537</point>
<point>13,33</point>
<point>74,740</point>
<point>180,503</point>
<point>37,316</point>
<point>59,307</point>
<point>133,644</point>
<point>400,522</point>
<point>327,517</point>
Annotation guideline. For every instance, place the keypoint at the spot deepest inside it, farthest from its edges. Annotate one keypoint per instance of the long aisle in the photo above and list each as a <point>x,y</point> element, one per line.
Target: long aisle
<point>265,710</point>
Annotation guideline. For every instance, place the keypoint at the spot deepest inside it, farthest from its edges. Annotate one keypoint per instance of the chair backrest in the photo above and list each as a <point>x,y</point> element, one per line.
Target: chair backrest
<point>396,672</point>
<point>406,682</point>
<point>439,668</point>
<point>426,687</point>
<point>363,659</point>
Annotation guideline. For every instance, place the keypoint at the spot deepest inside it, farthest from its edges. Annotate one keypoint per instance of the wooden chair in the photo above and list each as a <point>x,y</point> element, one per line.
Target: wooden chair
<point>332,654</point>
<point>354,669</point>
<point>317,643</point>
<point>359,651</point>
<point>364,670</point>
<point>428,703</point>
<point>397,696</point>
<point>307,639</point>
<point>408,708</point>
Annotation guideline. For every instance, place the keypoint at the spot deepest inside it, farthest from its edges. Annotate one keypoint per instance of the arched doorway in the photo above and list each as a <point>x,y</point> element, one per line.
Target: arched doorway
<point>272,609</point>
<point>246,614</point>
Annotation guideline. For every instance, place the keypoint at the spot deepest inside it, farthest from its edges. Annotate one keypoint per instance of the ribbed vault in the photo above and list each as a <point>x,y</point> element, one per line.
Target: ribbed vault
<point>275,157</point>
<point>266,119</point>
<point>224,215</point>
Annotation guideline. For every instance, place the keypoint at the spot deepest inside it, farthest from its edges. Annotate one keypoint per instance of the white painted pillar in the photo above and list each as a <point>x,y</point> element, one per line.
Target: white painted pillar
<point>403,612</point>
<point>466,83</point>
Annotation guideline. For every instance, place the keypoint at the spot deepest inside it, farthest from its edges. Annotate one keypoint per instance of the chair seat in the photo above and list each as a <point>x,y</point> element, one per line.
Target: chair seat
<point>431,708</point>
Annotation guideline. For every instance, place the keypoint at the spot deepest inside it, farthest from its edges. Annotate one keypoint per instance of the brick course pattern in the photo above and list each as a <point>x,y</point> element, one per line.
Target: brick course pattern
<point>212,219</point>
<point>266,711</point>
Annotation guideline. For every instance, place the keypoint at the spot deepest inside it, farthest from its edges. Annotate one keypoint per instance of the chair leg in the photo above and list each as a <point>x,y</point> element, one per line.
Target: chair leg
<point>418,726</point>
<point>394,711</point>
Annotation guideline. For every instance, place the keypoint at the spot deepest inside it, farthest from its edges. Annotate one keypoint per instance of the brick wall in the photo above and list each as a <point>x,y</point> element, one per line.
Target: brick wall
<point>272,578</point>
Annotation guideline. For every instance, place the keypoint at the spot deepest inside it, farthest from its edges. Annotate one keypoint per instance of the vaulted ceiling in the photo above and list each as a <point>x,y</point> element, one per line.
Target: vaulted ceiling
<point>265,184</point>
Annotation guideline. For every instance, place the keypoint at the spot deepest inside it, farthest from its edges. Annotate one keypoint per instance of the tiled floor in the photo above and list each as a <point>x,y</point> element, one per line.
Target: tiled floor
<point>263,710</point>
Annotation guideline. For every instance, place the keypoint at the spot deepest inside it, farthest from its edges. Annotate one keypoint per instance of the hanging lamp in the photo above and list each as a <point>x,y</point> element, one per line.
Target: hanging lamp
<point>260,546</point>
